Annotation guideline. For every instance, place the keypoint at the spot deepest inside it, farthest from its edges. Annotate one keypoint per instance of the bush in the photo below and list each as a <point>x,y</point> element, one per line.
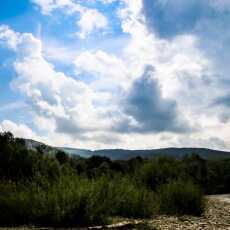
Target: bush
<point>180,198</point>
<point>72,201</point>
<point>67,202</point>
<point>159,171</point>
<point>131,200</point>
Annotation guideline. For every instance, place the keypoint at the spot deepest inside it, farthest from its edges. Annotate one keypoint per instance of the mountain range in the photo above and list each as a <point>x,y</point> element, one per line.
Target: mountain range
<point>124,154</point>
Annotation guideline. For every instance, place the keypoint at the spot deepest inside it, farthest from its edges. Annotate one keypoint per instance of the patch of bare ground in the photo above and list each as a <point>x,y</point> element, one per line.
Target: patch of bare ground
<point>216,217</point>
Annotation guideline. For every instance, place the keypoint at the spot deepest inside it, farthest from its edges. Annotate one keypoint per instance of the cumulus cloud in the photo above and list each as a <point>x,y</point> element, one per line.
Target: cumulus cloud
<point>71,106</point>
<point>47,6</point>
<point>90,19</point>
<point>109,70</point>
<point>206,20</point>
<point>179,64</point>
<point>8,37</point>
<point>19,130</point>
<point>109,100</point>
<point>38,80</point>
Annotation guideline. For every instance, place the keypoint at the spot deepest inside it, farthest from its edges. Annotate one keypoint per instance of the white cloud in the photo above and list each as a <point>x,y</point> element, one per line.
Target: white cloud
<point>47,6</point>
<point>110,71</point>
<point>91,20</point>
<point>69,105</point>
<point>181,67</point>
<point>58,52</point>
<point>12,106</point>
<point>221,5</point>
<point>8,37</point>
<point>107,1</point>
<point>80,111</point>
<point>19,130</point>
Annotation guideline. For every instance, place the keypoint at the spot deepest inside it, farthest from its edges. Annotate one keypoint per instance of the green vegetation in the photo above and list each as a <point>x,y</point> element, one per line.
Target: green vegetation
<point>60,190</point>
<point>180,197</point>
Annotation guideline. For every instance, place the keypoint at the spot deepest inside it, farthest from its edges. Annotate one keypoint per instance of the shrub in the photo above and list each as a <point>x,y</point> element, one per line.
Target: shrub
<point>180,198</point>
<point>68,201</point>
<point>62,157</point>
<point>72,201</point>
<point>131,200</point>
<point>159,171</point>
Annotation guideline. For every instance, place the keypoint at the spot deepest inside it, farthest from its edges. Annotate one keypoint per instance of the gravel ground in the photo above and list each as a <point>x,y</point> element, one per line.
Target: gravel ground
<point>216,216</point>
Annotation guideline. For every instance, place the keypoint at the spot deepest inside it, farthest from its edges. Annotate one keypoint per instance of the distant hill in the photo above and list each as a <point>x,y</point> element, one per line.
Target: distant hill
<point>36,145</point>
<point>123,154</point>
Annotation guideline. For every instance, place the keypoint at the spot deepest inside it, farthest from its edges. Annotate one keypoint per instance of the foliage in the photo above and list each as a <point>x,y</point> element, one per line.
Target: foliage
<point>131,200</point>
<point>180,197</point>
<point>159,171</point>
<point>72,201</point>
<point>56,189</point>
<point>69,201</point>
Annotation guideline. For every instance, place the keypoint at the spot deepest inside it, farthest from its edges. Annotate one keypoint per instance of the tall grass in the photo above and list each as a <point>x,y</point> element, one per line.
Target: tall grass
<point>77,201</point>
<point>130,199</point>
<point>180,198</point>
<point>72,201</point>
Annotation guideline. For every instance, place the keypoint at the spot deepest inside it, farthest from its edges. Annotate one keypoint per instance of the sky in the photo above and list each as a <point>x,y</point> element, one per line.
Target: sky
<point>134,74</point>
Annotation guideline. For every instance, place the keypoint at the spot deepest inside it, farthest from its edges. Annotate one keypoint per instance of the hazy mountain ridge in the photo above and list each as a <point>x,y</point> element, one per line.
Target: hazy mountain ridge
<point>124,154</point>
<point>173,152</point>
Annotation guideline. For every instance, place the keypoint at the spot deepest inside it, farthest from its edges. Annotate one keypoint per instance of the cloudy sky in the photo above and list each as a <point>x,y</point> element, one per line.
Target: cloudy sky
<point>116,73</point>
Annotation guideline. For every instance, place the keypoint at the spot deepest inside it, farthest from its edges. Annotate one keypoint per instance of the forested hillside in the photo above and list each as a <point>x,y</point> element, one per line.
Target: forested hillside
<point>125,154</point>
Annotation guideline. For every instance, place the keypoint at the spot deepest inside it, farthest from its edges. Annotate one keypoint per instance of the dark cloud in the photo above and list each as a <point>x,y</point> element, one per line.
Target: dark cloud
<point>69,126</point>
<point>146,109</point>
<point>172,17</point>
<point>224,117</point>
<point>223,100</point>
<point>206,20</point>
<point>222,105</point>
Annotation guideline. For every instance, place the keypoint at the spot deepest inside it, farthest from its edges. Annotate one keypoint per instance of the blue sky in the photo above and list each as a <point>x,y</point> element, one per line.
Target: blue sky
<point>116,73</point>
